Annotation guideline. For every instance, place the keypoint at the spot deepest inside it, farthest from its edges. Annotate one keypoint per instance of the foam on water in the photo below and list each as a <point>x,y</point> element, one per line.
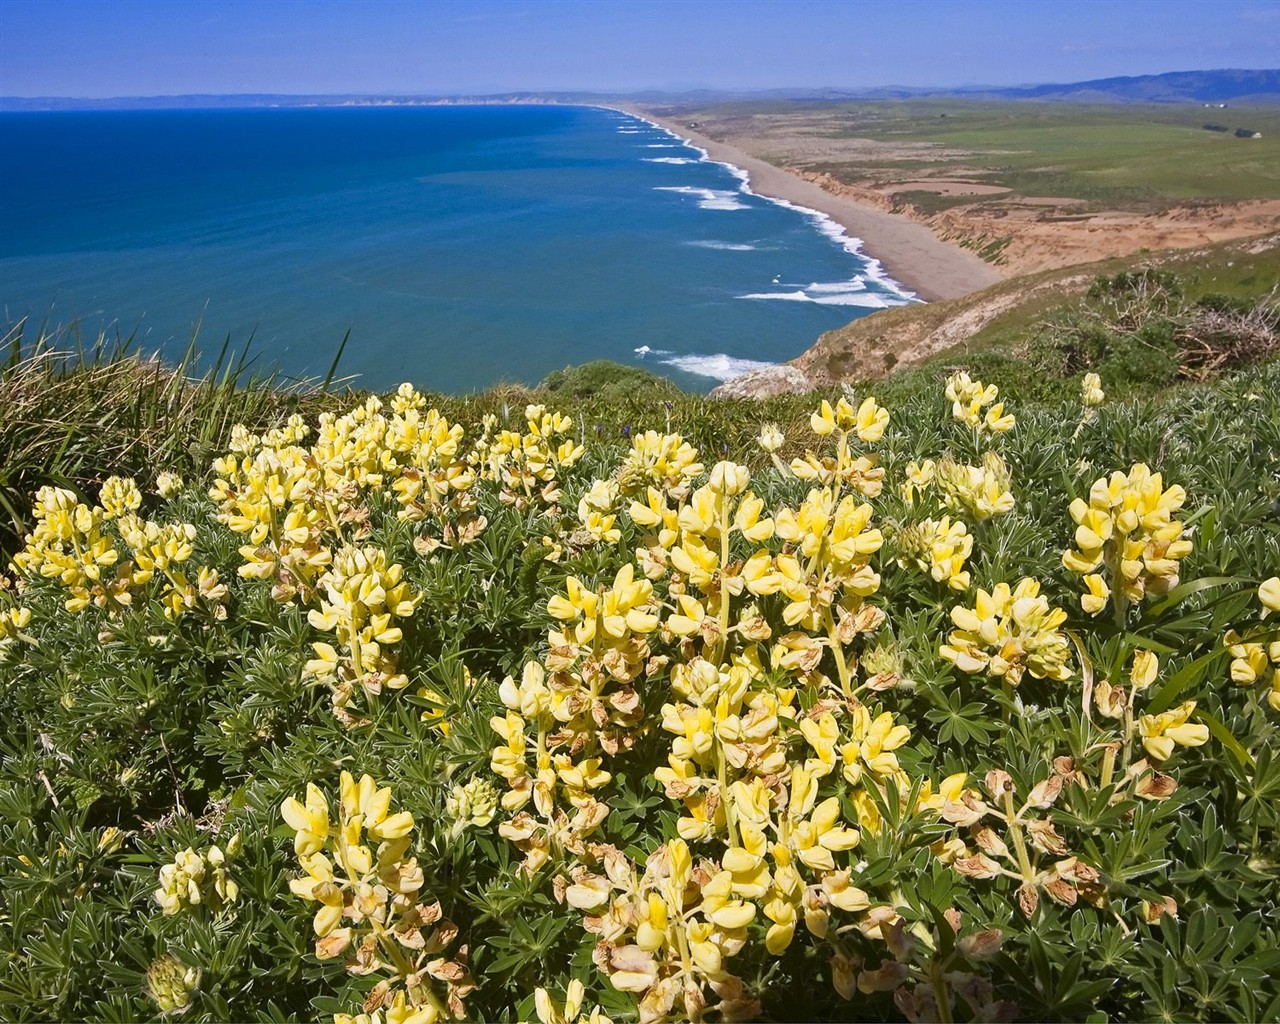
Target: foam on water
<point>717,366</point>
<point>725,246</point>
<point>868,300</point>
<point>856,285</point>
<point>667,160</point>
<point>708,198</point>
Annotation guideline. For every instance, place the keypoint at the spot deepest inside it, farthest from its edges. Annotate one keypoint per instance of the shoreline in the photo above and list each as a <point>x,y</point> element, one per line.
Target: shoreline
<point>908,253</point>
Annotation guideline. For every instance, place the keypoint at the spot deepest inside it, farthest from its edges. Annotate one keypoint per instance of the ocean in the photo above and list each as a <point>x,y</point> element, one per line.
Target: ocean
<point>460,246</point>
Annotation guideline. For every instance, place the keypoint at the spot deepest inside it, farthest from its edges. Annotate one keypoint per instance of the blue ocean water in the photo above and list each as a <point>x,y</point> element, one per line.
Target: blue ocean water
<point>460,246</point>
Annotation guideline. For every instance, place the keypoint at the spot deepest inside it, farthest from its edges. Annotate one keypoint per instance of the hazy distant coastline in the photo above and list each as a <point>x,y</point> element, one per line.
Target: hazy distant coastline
<point>1231,85</point>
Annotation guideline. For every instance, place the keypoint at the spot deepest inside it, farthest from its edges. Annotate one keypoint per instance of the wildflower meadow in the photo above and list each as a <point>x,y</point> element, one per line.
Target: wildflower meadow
<point>948,708</point>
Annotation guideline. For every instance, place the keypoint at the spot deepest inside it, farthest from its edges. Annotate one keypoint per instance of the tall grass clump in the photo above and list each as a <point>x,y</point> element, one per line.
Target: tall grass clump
<point>75,413</point>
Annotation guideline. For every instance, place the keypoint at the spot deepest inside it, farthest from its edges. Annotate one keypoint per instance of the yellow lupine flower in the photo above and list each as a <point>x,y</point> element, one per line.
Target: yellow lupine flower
<point>938,547</point>
<point>398,1012</point>
<point>872,746</point>
<point>12,620</point>
<point>549,1012</point>
<point>595,512</point>
<point>1009,632</point>
<point>1127,530</point>
<point>826,419</point>
<point>1269,595</point>
<point>198,879</point>
<point>310,820</point>
<point>1143,672</point>
<point>770,439</point>
<point>983,491</point>
<point>169,485</point>
<point>719,907</point>
<point>172,984</point>
<point>119,497</point>
<point>1161,733</point>
<point>666,462</point>
<point>871,421</point>
<point>821,734</point>
<point>1097,596</point>
<point>919,477</point>
<point>1091,393</point>
<point>969,398</point>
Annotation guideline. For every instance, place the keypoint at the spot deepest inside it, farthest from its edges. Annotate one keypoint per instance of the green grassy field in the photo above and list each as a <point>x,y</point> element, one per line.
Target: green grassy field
<point>1133,156</point>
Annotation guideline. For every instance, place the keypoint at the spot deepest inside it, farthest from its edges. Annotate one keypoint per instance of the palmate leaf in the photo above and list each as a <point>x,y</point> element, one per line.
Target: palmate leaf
<point>962,723</point>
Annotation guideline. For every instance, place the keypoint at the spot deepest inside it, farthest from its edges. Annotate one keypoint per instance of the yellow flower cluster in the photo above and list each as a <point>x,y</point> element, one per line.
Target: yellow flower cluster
<point>1091,396</point>
<point>294,503</point>
<point>526,464</point>
<point>435,477</point>
<point>398,1011</point>
<point>119,497</point>
<point>105,554</point>
<point>198,879</point>
<point>169,485</point>
<point>982,491</point>
<point>771,438</point>
<point>160,550</point>
<point>1091,393</point>
<point>1128,544</point>
<point>582,703</point>
<point>13,619</point>
<point>861,473</point>
<point>369,901</point>
<point>666,462</point>
<point>362,600</point>
<point>1009,632</point>
<point>938,547</point>
<point>665,935</point>
<point>728,762</point>
<point>597,512</point>
<point>726,569</point>
<point>974,404</point>
<point>172,984</point>
<point>474,805</point>
<point>1255,656</point>
<point>304,508</point>
<point>68,544</point>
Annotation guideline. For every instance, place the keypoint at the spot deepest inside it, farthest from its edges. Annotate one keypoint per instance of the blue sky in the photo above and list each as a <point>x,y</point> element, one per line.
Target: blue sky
<point>99,48</point>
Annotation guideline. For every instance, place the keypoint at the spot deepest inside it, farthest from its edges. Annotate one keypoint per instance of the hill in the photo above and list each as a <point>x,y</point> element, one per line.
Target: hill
<point>1223,86</point>
<point>1007,315</point>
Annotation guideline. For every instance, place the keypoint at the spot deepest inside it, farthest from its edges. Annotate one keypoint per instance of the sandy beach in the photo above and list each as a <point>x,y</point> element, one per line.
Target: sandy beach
<point>910,252</point>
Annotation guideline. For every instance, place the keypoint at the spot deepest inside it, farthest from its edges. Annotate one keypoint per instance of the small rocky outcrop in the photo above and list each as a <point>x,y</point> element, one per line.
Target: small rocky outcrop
<point>768,382</point>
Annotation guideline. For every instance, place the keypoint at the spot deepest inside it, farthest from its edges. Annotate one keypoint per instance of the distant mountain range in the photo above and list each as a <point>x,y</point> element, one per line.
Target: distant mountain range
<point>1221,86</point>
<point>1228,86</point>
